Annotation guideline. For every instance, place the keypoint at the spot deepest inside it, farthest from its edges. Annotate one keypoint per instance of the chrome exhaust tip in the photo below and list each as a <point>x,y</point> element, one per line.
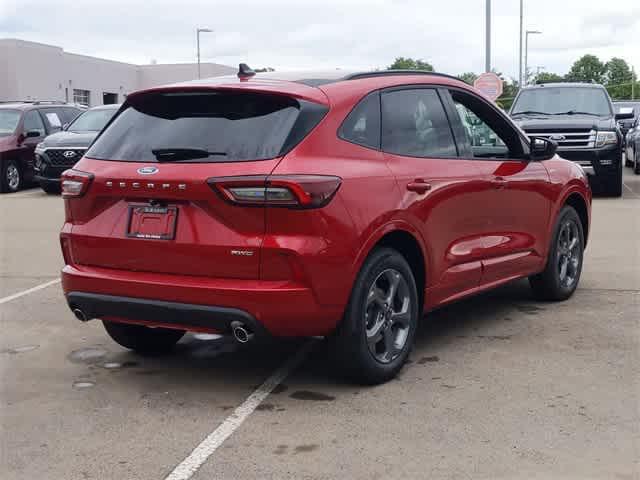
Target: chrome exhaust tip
<point>241,333</point>
<point>80,315</point>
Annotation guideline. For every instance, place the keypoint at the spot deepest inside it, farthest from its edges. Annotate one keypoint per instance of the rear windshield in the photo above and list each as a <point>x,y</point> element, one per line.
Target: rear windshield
<point>206,127</point>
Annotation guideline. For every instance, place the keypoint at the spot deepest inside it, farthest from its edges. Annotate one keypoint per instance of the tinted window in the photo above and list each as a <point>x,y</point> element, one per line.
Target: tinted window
<point>92,120</point>
<point>362,125</point>
<point>32,121</point>
<point>558,100</point>
<point>230,126</point>
<point>8,121</point>
<point>414,124</point>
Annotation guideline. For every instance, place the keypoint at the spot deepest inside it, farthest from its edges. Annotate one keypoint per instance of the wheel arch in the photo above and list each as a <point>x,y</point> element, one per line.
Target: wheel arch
<point>578,202</point>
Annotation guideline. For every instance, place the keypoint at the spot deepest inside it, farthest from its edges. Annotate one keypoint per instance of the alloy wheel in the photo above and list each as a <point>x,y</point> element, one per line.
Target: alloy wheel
<point>387,315</point>
<point>569,253</point>
<point>13,177</point>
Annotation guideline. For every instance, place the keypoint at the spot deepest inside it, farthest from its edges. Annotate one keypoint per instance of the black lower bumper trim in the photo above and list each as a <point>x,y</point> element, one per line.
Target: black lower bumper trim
<point>182,315</point>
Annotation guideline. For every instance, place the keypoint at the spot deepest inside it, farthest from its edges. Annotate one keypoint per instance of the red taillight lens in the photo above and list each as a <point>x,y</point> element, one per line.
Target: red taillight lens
<point>291,191</point>
<point>75,183</point>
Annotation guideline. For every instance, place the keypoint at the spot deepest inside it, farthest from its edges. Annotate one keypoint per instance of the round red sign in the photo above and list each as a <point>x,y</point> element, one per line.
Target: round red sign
<point>490,85</point>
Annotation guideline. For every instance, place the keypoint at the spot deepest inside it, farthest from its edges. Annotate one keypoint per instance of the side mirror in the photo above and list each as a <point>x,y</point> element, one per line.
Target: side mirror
<point>542,148</point>
<point>33,134</point>
<point>65,126</point>
<point>625,114</point>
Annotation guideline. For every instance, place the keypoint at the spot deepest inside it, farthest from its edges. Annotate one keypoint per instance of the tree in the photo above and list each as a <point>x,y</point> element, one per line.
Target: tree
<point>618,72</point>
<point>265,69</point>
<point>548,77</point>
<point>468,77</point>
<point>589,68</point>
<point>402,63</point>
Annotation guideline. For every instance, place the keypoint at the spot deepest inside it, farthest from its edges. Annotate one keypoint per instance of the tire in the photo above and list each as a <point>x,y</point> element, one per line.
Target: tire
<point>612,185</point>
<point>561,275</point>
<point>376,335</point>
<point>141,339</point>
<point>636,163</point>
<point>10,176</point>
<point>627,162</point>
<point>51,188</point>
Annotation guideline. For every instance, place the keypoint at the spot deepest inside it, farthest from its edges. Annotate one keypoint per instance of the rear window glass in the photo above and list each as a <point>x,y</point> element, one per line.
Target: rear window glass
<point>203,127</point>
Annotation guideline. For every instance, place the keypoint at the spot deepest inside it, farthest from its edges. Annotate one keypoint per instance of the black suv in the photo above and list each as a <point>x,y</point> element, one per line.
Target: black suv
<point>22,126</point>
<point>62,150</point>
<point>580,118</point>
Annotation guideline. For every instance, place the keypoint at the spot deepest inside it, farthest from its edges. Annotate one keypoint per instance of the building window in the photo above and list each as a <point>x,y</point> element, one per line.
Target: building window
<point>83,97</point>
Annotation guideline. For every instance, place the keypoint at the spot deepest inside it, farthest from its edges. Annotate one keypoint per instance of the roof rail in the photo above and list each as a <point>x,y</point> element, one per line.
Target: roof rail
<point>383,73</point>
<point>49,102</point>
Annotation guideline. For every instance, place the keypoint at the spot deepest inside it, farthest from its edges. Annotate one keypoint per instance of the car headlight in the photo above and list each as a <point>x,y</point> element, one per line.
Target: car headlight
<point>606,138</point>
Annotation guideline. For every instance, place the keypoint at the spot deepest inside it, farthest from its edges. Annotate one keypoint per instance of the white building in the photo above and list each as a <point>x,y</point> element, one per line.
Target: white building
<point>34,71</point>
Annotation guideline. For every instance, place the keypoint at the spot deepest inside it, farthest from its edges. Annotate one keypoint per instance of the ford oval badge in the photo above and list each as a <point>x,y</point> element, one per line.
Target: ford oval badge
<point>147,170</point>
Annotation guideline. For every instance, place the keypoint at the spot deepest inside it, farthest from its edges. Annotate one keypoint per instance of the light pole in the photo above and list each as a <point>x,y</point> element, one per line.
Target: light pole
<point>521,28</point>
<point>526,54</point>
<point>488,39</point>
<point>198,32</point>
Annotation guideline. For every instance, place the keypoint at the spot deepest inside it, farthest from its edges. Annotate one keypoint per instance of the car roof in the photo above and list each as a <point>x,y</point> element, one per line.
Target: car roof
<point>18,105</point>
<point>564,85</point>
<point>312,85</point>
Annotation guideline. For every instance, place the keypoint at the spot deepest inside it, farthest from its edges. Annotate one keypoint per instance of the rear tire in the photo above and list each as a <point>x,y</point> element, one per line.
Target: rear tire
<point>141,339</point>
<point>377,332</point>
<point>10,176</point>
<point>636,163</point>
<point>51,188</point>
<point>561,275</point>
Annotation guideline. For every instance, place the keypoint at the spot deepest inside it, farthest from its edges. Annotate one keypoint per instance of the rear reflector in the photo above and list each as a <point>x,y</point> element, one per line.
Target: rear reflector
<point>289,191</point>
<point>75,183</point>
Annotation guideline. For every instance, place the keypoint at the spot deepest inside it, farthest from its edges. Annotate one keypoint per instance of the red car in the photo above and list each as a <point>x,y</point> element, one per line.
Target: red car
<point>337,205</point>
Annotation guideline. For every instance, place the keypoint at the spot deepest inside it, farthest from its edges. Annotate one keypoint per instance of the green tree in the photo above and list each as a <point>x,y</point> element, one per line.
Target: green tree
<point>402,63</point>
<point>468,77</point>
<point>618,71</point>
<point>588,68</point>
<point>548,77</point>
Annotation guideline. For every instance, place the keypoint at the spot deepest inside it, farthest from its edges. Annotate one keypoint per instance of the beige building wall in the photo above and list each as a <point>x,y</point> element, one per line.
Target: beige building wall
<point>34,71</point>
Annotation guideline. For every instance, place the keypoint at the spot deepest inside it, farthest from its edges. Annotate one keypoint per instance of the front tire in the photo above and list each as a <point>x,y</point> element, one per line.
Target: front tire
<point>141,339</point>
<point>636,163</point>
<point>377,332</point>
<point>51,188</point>
<point>561,275</point>
<point>10,176</point>
<point>613,184</point>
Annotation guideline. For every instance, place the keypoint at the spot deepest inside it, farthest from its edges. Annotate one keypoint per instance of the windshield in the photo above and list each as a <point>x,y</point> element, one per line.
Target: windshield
<point>8,122</point>
<point>200,127</point>
<point>559,100</point>
<point>92,120</point>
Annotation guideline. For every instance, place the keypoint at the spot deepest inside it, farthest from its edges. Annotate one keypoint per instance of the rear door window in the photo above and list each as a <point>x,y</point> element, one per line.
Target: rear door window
<point>33,122</point>
<point>414,123</point>
<point>206,127</point>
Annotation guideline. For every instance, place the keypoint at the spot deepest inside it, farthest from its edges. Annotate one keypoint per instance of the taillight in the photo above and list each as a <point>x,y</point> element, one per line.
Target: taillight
<point>289,191</point>
<point>75,183</point>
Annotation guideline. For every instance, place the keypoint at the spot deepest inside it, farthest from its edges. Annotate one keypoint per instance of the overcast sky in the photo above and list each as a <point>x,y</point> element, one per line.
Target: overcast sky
<point>293,34</point>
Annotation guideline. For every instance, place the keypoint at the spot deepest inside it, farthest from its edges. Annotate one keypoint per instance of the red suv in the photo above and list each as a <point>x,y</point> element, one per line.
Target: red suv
<point>342,205</point>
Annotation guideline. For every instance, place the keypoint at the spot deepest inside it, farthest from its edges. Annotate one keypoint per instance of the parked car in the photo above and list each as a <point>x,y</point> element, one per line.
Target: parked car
<point>289,206</point>
<point>581,119</point>
<point>22,126</point>
<point>633,146</point>
<point>62,150</point>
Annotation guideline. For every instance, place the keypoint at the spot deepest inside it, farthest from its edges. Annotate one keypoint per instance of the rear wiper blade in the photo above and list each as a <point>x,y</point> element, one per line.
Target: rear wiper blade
<point>530,112</point>
<point>576,112</point>
<point>180,154</point>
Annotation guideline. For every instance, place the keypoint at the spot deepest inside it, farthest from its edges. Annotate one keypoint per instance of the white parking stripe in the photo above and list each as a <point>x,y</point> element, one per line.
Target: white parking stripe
<point>27,292</point>
<point>190,465</point>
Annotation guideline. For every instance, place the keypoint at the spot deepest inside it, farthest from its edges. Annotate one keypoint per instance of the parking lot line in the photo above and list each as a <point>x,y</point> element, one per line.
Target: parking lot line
<point>28,291</point>
<point>190,465</point>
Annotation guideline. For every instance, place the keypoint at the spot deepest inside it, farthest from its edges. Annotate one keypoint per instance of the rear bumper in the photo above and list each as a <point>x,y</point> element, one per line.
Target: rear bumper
<point>277,308</point>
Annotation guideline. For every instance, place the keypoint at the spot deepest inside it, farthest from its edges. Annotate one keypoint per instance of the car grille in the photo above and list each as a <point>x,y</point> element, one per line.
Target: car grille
<point>574,138</point>
<point>57,157</point>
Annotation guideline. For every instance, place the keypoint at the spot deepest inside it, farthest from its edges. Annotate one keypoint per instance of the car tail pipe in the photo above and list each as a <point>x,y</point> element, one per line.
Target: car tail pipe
<point>241,332</point>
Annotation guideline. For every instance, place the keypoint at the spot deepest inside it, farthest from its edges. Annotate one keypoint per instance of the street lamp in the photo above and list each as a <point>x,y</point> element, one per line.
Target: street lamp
<point>198,32</point>
<point>526,54</point>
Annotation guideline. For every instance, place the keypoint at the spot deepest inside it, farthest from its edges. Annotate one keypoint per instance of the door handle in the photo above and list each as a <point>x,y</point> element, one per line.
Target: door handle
<point>418,186</point>
<point>500,183</point>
